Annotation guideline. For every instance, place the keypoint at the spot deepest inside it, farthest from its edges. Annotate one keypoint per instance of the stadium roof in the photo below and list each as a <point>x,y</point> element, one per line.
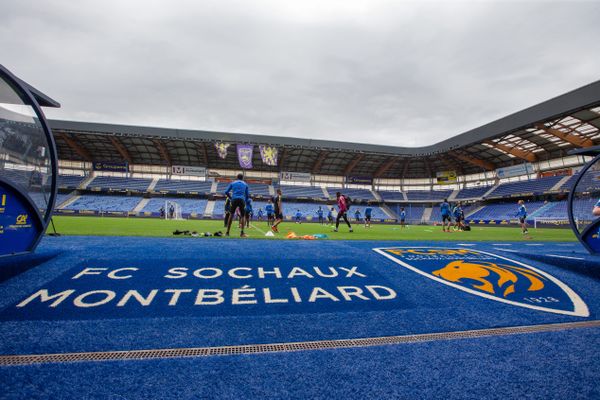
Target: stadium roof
<point>545,131</point>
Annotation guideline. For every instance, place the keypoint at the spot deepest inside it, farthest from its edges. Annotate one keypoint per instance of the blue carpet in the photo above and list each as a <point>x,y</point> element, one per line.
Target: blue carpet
<point>558,365</point>
<point>544,365</point>
<point>421,305</point>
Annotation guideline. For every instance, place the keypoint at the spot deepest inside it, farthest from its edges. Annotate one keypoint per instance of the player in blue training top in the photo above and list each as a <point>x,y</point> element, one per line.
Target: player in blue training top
<point>270,210</point>
<point>249,212</point>
<point>522,215</point>
<point>357,215</point>
<point>298,217</point>
<point>368,212</point>
<point>320,215</point>
<point>402,218</point>
<point>330,216</point>
<point>260,214</point>
<point>446,218</point>
<point>238,192</point>
<point>457,213</point>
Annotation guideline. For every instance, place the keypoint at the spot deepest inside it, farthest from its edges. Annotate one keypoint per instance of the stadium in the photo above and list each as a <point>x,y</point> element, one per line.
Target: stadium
<point>463,269</point>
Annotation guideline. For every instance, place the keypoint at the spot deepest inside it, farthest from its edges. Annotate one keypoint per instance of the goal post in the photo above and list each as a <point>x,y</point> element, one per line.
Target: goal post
<point>172,210</point>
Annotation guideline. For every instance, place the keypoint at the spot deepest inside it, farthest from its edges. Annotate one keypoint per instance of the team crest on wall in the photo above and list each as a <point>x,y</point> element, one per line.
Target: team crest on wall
<point>491,276</point>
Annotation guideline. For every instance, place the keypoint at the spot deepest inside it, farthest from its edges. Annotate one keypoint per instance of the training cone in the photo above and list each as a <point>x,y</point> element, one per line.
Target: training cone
<point>269,234</point>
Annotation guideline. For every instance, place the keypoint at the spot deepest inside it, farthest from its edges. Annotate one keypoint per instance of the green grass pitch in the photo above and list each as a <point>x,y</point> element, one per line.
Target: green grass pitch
<point>107,226</point>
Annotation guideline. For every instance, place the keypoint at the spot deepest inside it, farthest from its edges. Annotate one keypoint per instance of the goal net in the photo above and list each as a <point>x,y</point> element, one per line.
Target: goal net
<point>172,210</point>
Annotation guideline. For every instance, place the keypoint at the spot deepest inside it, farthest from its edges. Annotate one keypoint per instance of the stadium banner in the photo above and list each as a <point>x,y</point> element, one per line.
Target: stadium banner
<point>560,172</point>
<point>269,155</point>
<point>359,180</point>
<point>443,177</point>
<point>110,166</point>
<point>295,176</point>
<point>222,149</point>
<point>188,170</point>
<point>515,170</point>
<point>244,152</point>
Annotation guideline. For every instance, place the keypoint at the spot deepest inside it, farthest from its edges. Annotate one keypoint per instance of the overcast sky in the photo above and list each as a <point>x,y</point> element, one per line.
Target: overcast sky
<point>386,72</point>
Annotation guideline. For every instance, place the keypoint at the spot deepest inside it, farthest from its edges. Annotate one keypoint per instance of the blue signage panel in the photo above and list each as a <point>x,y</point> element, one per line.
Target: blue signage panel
<point>359,180</point>
<point>111,166</point>
<point>20,224</point>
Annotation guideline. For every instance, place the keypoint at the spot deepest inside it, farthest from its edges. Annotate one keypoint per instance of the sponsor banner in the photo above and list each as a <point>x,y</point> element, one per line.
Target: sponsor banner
<point>560,172</point>
<point>359,180</point>
<point>20,226</point>
<point>515,170</point>
<point>188,170</point>
<point>295,176</point>
<point>208,286</point>
<point>222,149</point>
<point>490,276</point>
<point>443,177</point>
<point>269,155</point>
<point>244,152</point>
<point>110,166</point>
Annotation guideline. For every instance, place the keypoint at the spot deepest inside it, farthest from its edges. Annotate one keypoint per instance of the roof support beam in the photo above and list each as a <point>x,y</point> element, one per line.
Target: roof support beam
<point>524,155</point>
<point>319,161</point>
<point>282,158</point>
<point>352,164</point>
<point>578,141</point>
<point>472,160</point>
<point>75,146</point>
<point>164,153</point>
<point>383,168</point>
<point>121,149</point>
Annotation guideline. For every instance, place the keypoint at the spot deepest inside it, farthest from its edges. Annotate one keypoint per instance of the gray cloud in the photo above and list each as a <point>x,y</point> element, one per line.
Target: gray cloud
<point>403,73</point>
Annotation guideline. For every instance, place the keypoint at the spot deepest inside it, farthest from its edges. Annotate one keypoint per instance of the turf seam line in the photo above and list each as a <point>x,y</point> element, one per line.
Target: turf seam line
<point>28,359</point>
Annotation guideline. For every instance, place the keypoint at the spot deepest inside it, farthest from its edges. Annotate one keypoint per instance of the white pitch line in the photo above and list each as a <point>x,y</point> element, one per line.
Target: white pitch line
<point>467,244</point>
<point>534,244</point>
<point>258,229</point>
<point>502,244</point>
<point>569,257</point>
<point>511,251</point>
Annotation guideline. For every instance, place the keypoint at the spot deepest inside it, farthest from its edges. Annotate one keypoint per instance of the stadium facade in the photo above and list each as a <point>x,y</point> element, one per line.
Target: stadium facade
<point>525,154</point>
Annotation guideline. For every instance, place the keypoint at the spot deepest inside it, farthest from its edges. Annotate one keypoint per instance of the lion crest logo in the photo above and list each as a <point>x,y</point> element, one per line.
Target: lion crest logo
<point>490,276</point>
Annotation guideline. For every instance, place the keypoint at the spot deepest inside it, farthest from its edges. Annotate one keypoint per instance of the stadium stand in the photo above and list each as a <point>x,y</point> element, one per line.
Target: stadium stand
<point>118,183</point>
<point>178,186</point>
<point>102,203</point>
<point>414,212</point>
<point>504,211</point>
<point>188,206</point>
<point>532,186</point>
<point>69,181</point>
<point>391,195</point>
<point>433,195</point>
<point>355,194</point>
<point>310,192</point>
<point>472,193</point>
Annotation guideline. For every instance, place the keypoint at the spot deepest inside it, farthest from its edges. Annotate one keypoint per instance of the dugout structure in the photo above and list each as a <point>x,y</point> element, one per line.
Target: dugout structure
<point>28,165</point>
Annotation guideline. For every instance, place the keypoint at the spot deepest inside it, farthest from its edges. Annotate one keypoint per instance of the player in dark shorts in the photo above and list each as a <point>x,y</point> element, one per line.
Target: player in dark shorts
<point>320,215</point>
<point>270,210</point>
<point>277,203</point>
<point>237,191</point>
<point>227,210</point>
<point>522,215</point>
<point>446,218</point>
<point>330,216</point>
<point>402,218</point>
<point>342,210</point>
<point>368,212</point>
